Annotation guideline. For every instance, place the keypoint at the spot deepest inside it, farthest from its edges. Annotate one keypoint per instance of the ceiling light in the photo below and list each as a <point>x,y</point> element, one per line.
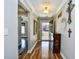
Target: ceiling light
<point>46,6</point>
<point>46,10</point>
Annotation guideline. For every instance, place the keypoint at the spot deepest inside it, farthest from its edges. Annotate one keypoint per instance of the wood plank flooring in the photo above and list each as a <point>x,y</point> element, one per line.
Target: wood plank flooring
<point>36,54</point>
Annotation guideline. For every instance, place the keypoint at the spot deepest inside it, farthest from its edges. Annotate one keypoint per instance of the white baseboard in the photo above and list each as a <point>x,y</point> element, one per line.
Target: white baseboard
<point>62,55</point>
<point>29,51</point>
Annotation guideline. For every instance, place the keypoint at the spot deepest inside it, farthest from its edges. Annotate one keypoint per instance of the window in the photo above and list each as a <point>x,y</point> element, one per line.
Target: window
<point>23,28</point>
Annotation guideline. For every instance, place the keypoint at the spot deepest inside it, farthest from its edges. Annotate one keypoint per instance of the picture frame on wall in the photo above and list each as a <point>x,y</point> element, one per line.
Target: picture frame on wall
<point>34,27</point>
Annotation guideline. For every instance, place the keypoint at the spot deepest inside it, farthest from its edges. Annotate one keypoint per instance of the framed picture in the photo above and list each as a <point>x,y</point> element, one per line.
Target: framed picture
<point>34,27</point>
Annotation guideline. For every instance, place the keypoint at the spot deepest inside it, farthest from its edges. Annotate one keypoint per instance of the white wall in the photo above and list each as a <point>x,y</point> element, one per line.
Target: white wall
<point>33,37</point>
<point>11,37</point>
<point>67,44</point>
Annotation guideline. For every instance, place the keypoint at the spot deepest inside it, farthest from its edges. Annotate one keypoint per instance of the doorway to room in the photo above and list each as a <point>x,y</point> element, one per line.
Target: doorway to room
<point>45,31</point>
<point>46,43</point>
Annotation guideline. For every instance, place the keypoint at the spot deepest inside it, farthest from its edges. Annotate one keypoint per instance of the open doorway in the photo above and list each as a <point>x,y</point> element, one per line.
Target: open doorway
<point>45,31</point>
<point>22,30</point>
<point>47,41</point>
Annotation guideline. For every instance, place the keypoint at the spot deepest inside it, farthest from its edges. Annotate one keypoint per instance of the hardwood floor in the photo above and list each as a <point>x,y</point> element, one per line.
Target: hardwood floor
<point>36,54</point>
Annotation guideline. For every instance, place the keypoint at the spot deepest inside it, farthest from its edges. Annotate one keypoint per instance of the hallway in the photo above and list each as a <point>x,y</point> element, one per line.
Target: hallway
<point>38,53</point>
<point>24,38</point>
<point>42,28</point>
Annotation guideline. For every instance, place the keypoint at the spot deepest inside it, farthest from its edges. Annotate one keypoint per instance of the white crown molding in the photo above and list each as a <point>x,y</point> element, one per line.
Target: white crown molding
<point>24,5</point>
<point>27,6</point>
<point>30,7</point>
<point>64,2</point>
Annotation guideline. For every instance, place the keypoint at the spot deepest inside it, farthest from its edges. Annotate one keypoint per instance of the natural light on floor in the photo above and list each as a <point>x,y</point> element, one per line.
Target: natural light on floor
<point>45,49</point>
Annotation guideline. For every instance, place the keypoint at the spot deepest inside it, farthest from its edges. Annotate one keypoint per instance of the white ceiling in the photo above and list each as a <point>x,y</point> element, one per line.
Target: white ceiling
<point>36,6</point>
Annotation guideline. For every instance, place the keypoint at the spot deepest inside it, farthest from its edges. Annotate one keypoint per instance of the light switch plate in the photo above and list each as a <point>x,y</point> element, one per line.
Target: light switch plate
<point>5,31</point>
